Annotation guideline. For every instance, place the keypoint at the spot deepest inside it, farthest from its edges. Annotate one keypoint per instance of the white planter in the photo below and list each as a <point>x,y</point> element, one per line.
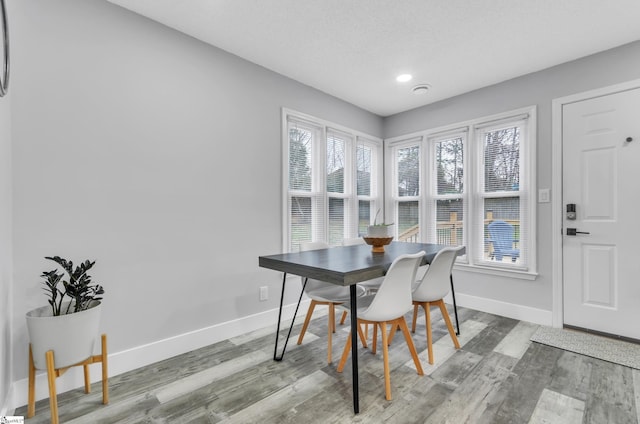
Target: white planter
<point>379,231</point>
<point>71,337</point>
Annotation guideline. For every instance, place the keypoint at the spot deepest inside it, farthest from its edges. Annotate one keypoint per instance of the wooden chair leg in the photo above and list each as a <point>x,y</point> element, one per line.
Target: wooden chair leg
<point>306,321</point>
<point>53,397</point>
<point>385,358</point>
<point>345,354</point>
<point>343,318</point>
<point>447,320</point>
<point>374,339</point>
<point>427,314</point>
<point>105,371</point>
<point>394,329</point>
<point>31,402</point>
<point>363,338</point>
<point>332,316</point>
<point>412,348</point>
<point>415,317</point>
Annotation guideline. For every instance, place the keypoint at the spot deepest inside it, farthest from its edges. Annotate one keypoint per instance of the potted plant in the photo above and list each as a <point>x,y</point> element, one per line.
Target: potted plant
<point>63,333</point>
<point>69,325</point>
<point>378,230</point>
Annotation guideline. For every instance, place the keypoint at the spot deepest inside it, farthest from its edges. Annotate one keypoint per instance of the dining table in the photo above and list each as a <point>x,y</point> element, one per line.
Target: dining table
<point>343,266</point>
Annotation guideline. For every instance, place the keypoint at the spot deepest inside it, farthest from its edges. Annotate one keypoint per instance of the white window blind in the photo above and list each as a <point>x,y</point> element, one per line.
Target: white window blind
<point>448,190</point>
<point>338,186</point>
<point>406,192</point>
<point>366,183</point>
<point>305,199</point>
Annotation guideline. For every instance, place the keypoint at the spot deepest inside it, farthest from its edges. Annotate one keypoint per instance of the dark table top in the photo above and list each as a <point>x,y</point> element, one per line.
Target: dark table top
<point>346,265</point>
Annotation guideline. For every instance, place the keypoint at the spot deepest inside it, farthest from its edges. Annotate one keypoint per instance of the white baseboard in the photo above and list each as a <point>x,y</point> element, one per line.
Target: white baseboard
<point>140,356</point>
<point>509,310</point>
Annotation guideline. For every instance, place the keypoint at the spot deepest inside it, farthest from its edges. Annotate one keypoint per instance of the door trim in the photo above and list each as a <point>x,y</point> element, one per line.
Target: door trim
<point>557,313</point>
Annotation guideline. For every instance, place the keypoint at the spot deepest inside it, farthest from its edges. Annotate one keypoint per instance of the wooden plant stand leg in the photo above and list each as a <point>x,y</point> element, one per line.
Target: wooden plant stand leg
<point>53,396</point>
<point>31,403</point>
<point>105,371</point>
<point>87,378</point>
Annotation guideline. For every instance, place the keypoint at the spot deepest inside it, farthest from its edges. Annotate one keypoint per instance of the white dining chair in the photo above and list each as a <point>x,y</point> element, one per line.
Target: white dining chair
<point>323,293</point>
<point>388,307</point>
<point>432,289</point>
<point>371,286</point>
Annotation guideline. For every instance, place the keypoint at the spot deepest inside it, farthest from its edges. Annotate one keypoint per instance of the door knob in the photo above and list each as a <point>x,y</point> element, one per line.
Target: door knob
<point>573,232</point>
<point>629,139</point>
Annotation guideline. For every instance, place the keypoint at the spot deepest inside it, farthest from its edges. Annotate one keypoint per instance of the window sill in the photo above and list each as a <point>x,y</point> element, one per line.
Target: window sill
<point>510,273</point>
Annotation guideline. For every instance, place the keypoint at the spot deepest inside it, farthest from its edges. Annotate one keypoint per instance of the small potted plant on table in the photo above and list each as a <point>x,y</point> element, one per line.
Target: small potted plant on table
<point>63,334</point>
<point>378,235</point>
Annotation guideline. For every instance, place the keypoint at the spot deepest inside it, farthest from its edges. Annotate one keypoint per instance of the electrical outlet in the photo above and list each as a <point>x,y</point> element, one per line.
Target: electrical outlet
<point>264,293</point>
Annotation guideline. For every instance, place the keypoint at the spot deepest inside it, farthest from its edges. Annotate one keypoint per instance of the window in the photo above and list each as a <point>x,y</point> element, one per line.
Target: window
<point>469,184</point>
<point>332,176</point>
<point>367,183</point>
<point>502,199</point>
<point>305,200</point>
<point>447,194</point>
<point>406,191</point>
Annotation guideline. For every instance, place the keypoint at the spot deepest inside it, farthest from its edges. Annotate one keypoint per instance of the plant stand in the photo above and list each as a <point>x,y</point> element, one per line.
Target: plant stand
<point>53,373</point>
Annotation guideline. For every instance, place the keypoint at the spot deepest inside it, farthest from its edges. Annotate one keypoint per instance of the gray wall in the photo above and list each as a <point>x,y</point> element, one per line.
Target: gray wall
<point>155,154</point>
<point>540,88</point>
<point>6,261</point>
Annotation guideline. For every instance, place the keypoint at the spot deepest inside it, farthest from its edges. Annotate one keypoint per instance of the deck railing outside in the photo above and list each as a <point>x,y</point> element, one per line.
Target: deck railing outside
<point>450,232</point>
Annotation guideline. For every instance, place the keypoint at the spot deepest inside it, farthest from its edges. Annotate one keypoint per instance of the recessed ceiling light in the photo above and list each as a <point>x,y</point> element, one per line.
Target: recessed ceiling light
<point>404,78</point>
<point>421,89</point>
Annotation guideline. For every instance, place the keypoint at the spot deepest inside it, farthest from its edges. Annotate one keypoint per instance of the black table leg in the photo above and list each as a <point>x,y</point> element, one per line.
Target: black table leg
<point>455,308</point>
<point>354,347</point>
<point>293,320</point>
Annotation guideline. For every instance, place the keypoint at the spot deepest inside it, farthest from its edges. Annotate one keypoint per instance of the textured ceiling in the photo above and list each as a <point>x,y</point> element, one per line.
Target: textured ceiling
<point>354,49</point>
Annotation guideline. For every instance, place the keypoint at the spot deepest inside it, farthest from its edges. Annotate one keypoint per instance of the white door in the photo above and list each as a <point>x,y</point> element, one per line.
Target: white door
<point>601,176</point>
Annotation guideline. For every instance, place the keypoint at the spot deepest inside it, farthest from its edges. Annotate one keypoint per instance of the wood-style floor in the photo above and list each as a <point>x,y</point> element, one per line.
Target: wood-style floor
<point>498,376</point>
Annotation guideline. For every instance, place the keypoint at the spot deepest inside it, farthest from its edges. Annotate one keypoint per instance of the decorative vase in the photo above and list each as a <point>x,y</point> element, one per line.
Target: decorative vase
<point>377,243</point>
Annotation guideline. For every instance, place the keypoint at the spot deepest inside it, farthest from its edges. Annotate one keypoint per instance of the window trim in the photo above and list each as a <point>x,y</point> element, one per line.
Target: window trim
<point>480,195</point>
<point>528,171</point>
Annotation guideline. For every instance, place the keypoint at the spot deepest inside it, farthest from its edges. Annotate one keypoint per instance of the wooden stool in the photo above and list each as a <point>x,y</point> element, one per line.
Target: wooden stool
<point>53,373</point>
